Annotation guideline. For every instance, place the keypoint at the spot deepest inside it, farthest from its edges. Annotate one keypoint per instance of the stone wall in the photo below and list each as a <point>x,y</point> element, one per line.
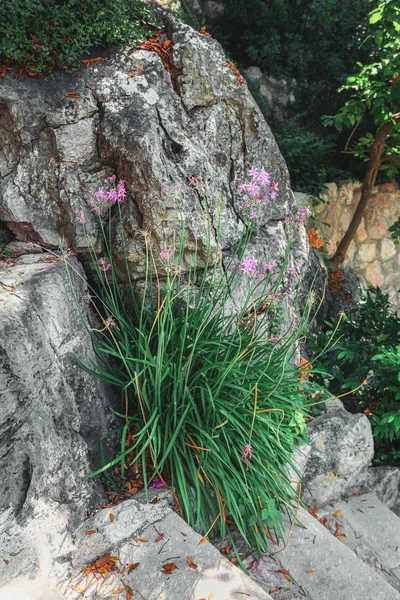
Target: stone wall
<point>372,255</point>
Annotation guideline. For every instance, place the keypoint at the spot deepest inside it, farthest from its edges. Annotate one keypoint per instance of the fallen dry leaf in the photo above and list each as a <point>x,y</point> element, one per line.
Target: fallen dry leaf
<point>168,568</point>
<point>191,564</point>
<point>311,571</point>
<point>238,76</point>
<point>112,517</point>
<point>202,541</point>
<point>357,494</point>
<point>286,573</point>
<point>88,61</point>
<point>159,538</point>
<point>74,95</point>
<point>273,590</point>
<point>139,539</point>
<point>132,567</point>
<point>118,591</point>
<point>91,532</point>
<point>16,553</point>
<point>342,536</point>
<point>337,514</point>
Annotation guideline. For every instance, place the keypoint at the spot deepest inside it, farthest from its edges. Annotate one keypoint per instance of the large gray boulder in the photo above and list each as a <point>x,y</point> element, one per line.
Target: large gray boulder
<point>152,130</point>
<point>341,449</point>
<point>52,415</point>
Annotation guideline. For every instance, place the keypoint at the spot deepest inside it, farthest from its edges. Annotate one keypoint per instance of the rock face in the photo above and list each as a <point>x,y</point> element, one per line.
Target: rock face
<point>51,415</point>
<point>385,482</point>
<point>341,450</point>
<point>153,131</point>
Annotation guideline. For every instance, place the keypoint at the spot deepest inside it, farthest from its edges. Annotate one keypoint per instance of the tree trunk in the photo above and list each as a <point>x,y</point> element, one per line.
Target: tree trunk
<point>374,164</point>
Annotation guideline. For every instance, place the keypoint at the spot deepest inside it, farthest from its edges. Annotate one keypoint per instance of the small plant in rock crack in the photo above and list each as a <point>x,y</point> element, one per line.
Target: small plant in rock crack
<point>211,403</point>
<point>5,254</point>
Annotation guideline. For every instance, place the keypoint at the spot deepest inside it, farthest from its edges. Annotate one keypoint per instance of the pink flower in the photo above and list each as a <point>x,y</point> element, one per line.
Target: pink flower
<point>292,271</point>
<point>247,455</point>
<point>156,484</point>
<point>270,265</point>
<point>104,265</point>
<point>248,266</point>
<point>167,254</point>
<point>80,213</point>
<point>253,190</point>
<point>113,196</point>
<point>273,339</point>
<point>253,215</point>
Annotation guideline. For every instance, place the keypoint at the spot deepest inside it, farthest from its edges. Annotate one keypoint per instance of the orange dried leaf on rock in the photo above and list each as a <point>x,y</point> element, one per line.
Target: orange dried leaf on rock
<point>140,539</point>
<point>191,564</point>
<point>234,560</point>
<point>89,61</point>
<point>238,76</point>
<point>91,532</point>
<point>166,44</point>
<point>132,567</point>
<point>310,571</point>
<point>204,32</point>
<point>168,568</point>
<point>112,517</point>
<point>337,514</point>
<point>273,590</point>
<point>74,95</point>
<point>357,494</point>
<point>159,538</point>
<point>202,541</point>
<point>368,412</point>
<point>118,591</point>
<point>342,536</point>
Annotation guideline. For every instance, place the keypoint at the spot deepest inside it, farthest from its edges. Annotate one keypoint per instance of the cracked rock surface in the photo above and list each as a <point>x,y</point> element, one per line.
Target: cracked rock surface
<point>51,417</point>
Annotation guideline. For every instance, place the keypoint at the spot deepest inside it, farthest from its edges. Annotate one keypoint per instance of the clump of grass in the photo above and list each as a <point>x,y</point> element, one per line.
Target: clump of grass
<point>216,407</point>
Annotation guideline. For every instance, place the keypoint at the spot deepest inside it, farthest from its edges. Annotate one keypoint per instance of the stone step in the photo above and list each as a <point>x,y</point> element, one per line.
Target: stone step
<point>142,550</point>
<point>372,531</point>
<point>326,569</point>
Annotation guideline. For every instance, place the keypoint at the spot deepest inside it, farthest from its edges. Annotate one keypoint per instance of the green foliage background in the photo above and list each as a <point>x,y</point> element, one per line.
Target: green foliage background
<point>363,362</point>
<point>317,43</point>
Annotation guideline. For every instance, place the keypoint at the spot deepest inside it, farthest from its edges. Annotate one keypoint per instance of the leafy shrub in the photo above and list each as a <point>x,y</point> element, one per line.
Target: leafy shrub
<point>395,231</point>
<point>308,156</point>
<point>363,365</point>
<point>42,34</point>
<point>209,400</point>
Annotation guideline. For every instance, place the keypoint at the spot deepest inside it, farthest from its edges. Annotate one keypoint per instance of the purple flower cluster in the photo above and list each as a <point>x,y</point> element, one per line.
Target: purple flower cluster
<point>104,265</point>
<point>299,216</point>
<point>247,455</point>
<point>106,198</point>
<point>198,184</point>
<point>249,266</point>
<point>258,190</point>
<point>167,253</point>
